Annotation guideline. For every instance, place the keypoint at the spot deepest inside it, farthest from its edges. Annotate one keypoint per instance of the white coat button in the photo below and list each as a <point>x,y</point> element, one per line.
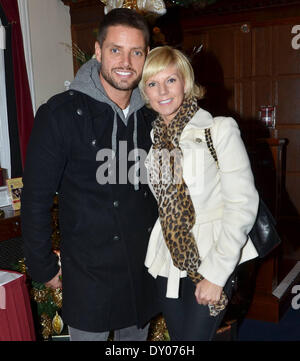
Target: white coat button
<point>198,140</point>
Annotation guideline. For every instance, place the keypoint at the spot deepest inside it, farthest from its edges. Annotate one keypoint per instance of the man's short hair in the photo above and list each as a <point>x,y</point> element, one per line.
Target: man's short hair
<point>126,17</point>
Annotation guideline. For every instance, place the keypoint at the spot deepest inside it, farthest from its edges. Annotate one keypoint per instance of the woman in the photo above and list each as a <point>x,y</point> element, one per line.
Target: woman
<point>200,174</point>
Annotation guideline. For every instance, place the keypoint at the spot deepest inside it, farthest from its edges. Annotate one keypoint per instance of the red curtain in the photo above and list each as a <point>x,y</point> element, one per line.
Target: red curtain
<point>22,90</point>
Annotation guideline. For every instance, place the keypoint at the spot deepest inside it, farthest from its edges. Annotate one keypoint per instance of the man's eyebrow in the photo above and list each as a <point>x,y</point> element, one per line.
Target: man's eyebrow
<point>133,48</point>
<point>115,45</point>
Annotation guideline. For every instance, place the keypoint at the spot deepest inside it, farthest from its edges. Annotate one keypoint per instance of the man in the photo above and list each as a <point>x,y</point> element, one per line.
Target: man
<point>105,219</point>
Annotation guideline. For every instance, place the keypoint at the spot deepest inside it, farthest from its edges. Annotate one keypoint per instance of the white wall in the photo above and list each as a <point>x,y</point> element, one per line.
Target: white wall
<point>25,25</point>
<point>4,132</point>
<point>50,24</point>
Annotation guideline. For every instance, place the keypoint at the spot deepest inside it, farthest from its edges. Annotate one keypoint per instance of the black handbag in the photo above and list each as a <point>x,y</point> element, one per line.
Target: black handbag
<point>263,234</point>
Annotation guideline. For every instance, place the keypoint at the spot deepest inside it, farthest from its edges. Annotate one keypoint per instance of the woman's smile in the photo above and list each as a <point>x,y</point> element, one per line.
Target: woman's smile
<point>162,102</point>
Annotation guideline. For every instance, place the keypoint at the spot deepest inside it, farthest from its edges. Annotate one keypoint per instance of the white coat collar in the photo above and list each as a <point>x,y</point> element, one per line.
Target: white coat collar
<point>201,120</point>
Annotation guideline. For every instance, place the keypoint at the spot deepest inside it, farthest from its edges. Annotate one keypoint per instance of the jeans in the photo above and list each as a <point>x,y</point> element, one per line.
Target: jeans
<point>187,320</point>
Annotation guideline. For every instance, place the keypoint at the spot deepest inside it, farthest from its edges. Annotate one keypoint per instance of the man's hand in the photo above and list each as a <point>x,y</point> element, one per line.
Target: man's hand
<point>55,282</point>
<point>207,292</point>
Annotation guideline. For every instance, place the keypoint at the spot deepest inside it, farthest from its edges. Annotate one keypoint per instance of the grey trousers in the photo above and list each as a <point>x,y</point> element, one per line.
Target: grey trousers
<point>131,333</point>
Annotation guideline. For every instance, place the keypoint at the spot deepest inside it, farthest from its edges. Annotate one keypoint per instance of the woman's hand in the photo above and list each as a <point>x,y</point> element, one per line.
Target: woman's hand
<point>207,292</point>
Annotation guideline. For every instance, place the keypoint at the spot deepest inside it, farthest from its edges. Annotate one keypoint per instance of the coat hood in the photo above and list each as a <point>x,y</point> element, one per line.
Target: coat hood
<point>87,81</point>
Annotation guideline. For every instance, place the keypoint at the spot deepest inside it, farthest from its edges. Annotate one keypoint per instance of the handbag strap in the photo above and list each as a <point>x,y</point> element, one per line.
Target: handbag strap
<point>210,146</point>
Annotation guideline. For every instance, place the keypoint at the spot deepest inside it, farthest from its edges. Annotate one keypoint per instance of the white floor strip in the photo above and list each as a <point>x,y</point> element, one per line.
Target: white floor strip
<point>287,281</point>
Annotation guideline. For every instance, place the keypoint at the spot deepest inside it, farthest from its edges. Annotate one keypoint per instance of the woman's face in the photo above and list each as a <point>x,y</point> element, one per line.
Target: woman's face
<point>165,91</point>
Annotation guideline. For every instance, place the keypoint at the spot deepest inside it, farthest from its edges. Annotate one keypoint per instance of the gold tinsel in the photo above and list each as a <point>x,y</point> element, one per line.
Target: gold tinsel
<point>130,4</point>
<point>40,296</point>
<point>158,330</point>
<point>22,266</point>
<point>47,326</point>
<point>57,297</point>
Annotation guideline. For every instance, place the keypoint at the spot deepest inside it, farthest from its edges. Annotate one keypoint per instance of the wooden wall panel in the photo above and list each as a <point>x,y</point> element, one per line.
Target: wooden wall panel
<point>244,54</point>
<point>288,103</point>
<point>225,54</point>
<point>262,51</point>
<point>245,101</point>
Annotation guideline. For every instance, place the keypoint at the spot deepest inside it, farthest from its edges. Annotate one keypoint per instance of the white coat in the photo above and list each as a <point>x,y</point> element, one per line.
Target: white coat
<point>225,202</point>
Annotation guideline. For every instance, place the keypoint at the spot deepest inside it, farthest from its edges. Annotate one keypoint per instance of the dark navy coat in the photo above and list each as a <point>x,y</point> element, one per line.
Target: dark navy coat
<point>104,228</point>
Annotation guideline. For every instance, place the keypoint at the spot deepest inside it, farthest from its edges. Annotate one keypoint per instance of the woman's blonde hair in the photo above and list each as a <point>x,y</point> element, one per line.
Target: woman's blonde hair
<point>159,59</point>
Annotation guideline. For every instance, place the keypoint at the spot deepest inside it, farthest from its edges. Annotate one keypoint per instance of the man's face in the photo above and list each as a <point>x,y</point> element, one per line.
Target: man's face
<point>122,58</point>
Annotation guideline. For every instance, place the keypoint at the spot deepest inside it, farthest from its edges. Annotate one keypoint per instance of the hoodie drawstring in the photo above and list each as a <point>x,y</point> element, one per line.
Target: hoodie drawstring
<point>136,154</point>
<point>114,135</point>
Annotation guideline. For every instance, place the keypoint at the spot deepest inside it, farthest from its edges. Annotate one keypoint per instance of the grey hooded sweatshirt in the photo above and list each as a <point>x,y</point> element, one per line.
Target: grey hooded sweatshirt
<point>87,81</point>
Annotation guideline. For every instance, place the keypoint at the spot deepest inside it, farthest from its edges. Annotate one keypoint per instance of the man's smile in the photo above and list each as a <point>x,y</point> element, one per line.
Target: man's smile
<point>124,73</point>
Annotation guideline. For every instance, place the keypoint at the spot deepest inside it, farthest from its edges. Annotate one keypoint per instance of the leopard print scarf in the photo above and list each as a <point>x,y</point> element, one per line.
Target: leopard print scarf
<point>175,206</point>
